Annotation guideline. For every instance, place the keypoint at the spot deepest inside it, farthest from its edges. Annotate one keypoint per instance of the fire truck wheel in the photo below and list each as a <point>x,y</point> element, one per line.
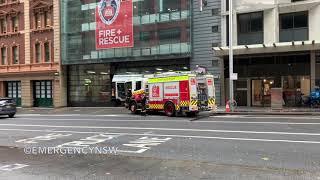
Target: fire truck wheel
<point>133,108</point>
<point>169,109</point>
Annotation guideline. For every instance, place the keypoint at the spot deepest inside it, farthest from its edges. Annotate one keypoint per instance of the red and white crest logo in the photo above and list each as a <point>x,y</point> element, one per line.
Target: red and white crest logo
<point>109,10</point>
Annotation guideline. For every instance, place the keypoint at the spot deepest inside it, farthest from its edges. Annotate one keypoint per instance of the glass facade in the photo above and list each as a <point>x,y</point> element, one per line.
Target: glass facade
<point>89,85</point>
<point>161,28</point>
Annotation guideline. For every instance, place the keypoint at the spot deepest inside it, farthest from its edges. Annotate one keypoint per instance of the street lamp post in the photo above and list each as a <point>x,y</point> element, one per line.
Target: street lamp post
<point>231,96</point>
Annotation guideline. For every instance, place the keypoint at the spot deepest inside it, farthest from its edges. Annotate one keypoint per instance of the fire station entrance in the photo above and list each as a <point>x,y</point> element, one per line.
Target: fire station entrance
<point>43,93</point>
<point>14,91</point>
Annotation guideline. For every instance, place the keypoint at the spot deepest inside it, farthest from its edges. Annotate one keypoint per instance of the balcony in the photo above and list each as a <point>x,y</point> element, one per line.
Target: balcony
<point>296,34</point>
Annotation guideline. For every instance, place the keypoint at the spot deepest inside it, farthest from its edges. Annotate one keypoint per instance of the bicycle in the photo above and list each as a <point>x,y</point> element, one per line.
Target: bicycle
<point>233,104</point>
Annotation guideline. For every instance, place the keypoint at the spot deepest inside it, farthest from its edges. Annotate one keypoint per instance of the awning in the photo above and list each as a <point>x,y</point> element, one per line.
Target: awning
<point>269,48</point>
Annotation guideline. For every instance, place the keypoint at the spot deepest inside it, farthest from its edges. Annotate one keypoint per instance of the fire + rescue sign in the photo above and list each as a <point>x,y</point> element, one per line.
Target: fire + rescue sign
<point>114,24</point>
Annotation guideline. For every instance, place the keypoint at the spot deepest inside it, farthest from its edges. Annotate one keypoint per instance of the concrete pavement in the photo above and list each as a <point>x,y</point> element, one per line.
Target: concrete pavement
<point>157,147</point>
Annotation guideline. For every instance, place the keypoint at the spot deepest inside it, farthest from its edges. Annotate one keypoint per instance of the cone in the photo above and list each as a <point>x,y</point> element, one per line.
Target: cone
<point>227,108</point>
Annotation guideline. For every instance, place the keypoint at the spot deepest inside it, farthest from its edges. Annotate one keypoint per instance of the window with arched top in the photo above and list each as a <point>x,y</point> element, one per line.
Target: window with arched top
<point>42,15</point>
<point>37,54</point>
<point>47,52</point>
<point>15,23</point>
<point>4,55</point>
<point>15,54</point>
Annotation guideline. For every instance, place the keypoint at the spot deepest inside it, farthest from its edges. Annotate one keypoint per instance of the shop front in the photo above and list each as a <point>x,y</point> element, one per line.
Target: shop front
<point>258,75</point>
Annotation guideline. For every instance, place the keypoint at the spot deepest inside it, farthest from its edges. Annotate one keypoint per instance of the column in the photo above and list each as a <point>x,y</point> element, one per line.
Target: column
<point>60,89</point>
<point>222,82</point>
<point>27,95</point>
<point>2,89</point>
<point>56,31</point>
<point>313,69</point>
<point>249,92</point>
<point>27,32</point>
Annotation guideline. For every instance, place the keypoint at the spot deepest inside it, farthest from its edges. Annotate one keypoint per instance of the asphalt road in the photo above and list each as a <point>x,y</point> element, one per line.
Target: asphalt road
<point>125,146</point>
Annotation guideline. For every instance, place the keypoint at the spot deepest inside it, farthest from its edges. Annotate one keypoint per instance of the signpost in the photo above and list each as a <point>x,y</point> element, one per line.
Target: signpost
<point>231,74</point>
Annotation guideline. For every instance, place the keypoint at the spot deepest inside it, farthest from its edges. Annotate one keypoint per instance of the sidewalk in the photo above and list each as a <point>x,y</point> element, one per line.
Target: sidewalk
<point>122,110</point>
<point>74,110</point>
<point>268,111</point>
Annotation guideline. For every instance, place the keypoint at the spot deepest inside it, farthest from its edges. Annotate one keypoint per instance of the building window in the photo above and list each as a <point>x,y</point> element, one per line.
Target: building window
<point>3,26</point>
<point>15,55</point>
<point>294,27</point>
<point>37,20</point>
<point>3,56</point>
<point>250,28</point>
<point>47,17</point>
<point>3,1</point>
<point>170,5</point>
<point>227,5</point>
<point>169,35</point>
<point>215,12</point>
<point>37,52</point>
<point>15,24</point>
<point>47,53</point>
<point>215,29</point>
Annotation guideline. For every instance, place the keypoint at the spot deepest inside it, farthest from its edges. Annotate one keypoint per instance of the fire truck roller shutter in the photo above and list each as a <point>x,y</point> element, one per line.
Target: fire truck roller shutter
<point>210,85</point>
<point>184,94</point>
<point>193,94</point>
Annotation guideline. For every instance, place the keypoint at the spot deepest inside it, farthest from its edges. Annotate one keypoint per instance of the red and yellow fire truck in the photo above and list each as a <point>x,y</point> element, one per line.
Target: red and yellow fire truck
<point>175,93</point>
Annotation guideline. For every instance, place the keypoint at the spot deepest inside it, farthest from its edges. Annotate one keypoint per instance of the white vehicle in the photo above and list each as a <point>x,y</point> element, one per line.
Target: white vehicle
<point>122,83</point>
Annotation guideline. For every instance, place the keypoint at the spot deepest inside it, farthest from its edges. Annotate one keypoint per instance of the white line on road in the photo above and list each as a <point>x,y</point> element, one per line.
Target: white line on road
<point>172,135</point>
<point>173,120</point>
<point>266,117</point>
<point>68,115</point>
<point>161,129</point>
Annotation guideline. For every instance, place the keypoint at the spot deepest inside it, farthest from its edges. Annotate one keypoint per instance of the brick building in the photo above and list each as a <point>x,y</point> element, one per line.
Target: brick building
<point>30,53</point>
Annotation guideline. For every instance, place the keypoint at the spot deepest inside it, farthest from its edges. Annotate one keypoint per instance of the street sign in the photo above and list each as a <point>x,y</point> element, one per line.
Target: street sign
<point>234,76</point>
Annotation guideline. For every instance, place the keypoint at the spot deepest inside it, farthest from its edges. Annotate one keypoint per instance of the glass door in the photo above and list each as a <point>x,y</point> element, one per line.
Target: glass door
<point>14,91</point>
<point>256,92</point>
<point>261,92</point>
<point>43,94</point>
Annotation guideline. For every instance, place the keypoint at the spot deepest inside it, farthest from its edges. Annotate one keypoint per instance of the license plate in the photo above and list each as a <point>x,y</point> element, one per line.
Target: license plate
<point>8,106</point>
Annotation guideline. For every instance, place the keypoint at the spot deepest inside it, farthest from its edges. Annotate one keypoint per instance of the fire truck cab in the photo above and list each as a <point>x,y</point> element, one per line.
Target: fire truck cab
<point>121,85</point>
<point>178,93</point>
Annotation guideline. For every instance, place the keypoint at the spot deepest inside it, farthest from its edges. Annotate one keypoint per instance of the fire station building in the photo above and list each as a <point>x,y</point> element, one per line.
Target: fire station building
<point>168,35</point>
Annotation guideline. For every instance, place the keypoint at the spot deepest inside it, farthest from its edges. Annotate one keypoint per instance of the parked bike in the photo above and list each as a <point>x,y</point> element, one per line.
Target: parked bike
<point>315,98</point>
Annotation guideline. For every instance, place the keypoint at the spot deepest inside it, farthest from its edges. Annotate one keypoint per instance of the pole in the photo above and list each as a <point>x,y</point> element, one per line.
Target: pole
<point>231,97</point>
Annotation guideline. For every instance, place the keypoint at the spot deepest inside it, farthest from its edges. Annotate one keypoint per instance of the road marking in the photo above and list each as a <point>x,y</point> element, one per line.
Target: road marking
<point>86,142</point>
<point>11,167</point>
<point>265,117</point>
<point>262,122</point>
<point>108,120</point>
<point>172,135</point>
<point>182,120</point>
<point>68,115</point>
<point>144,144</point>
<point>163,129</point>
<point>48,137</point>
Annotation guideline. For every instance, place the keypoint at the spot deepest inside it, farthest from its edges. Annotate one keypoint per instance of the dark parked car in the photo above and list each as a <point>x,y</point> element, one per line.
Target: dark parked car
<point>7,107</point>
